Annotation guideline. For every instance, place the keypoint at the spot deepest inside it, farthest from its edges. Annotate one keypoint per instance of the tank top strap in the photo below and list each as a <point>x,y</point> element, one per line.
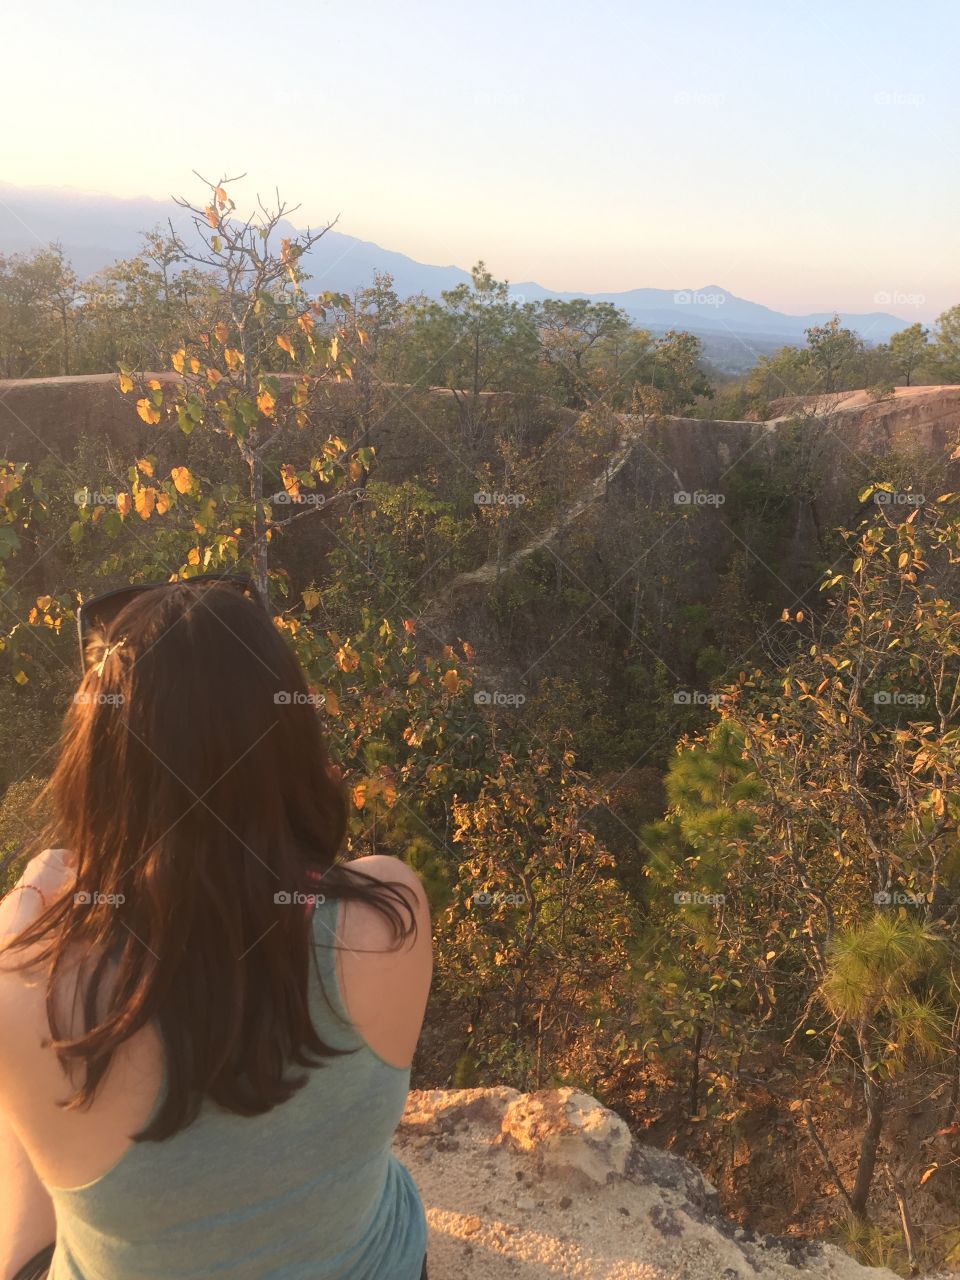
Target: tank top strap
<point>324,917</point>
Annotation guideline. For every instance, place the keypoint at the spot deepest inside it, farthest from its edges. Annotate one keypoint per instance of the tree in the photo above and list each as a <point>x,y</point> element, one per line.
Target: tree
<point>908,349</point>
<point>230,384</point>
<point>834,353</point>
<point>945,351</point>
<point>677,370</point>
<point>475,340</point>
<point>569,331</point>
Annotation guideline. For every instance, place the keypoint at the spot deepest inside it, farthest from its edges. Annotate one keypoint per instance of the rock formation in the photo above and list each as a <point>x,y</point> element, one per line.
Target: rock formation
<point>531,1186</point>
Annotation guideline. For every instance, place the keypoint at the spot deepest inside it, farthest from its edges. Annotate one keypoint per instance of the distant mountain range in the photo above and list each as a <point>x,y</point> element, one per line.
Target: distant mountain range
<point>95,230</point>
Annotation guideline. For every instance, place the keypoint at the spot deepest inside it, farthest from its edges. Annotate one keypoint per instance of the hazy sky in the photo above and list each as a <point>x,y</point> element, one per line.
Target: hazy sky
<point>803,154</point>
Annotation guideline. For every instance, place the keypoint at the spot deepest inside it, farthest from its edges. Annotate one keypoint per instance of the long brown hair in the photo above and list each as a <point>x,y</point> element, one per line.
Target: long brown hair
<point>194,791</point>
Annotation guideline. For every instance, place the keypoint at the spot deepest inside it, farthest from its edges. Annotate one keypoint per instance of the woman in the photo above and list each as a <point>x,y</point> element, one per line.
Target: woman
<point>208,1021</point>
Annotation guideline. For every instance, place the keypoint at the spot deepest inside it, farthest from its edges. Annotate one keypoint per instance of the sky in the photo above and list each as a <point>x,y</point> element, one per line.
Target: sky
<point>800,153</point>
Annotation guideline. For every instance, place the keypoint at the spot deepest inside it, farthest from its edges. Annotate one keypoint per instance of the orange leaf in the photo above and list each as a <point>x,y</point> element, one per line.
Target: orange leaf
<point>146,410</point>
<point>221,332</point>
<point>285,345</point>
<point>144,501</point>
<point>182,479</point>
<point>450,681</point>
<point>211,213</point>
<point>266,403</point>
<point>331,703</point>
<point>177,360</point>
<point>124,503</point>
<point>146,466</point>
<point>163,502</point>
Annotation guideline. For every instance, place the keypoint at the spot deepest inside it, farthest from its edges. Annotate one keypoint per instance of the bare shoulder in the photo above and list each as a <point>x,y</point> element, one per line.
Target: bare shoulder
<point>364,925</point>
<point>43,878</point>
<point>387,869</point>
<point>385,987</point>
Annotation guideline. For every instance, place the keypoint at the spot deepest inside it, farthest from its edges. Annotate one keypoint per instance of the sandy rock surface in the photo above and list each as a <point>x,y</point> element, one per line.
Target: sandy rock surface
<point>530,1186</point>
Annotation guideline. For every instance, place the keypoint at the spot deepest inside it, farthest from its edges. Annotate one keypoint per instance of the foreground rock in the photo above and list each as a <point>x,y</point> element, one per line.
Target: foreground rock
<point>552,1184</point>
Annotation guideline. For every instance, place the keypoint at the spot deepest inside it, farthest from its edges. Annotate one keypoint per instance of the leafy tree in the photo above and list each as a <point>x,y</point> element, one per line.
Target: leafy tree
<point>908,349</point>
<point>475,340</point>
<point>945,350</point>
<point>834,352</point>
<point>569,332</point>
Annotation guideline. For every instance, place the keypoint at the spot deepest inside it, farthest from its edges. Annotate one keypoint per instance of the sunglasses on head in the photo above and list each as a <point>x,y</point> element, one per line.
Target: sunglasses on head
<point>99,613</point>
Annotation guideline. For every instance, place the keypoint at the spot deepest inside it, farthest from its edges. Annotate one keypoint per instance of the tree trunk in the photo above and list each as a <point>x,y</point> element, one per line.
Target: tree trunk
<point>260,557</point>
<point>870,1142</point>
<point>695,1069</point>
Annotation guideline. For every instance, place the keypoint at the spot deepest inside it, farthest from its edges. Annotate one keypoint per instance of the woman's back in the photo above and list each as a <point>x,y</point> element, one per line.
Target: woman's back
<point>307,1189</point>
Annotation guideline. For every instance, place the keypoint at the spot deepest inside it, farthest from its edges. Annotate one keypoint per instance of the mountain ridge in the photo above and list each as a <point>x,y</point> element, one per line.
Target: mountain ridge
<point>85,223</point>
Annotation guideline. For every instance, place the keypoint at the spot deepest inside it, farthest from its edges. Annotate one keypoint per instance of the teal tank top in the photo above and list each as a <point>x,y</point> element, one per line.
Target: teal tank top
<point>308,1191</point>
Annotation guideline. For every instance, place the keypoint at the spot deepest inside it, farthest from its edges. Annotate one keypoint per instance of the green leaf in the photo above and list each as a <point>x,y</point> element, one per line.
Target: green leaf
<point>76,531</point>
<point>9,542</point>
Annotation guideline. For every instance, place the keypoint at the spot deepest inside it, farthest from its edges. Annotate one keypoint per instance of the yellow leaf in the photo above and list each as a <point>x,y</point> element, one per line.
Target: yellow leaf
<point>124,503</point>
<point>285,345</point>
<point>21,677</point>
<point>311,598</point>
<point>266,403</point>
<point>147,412</point>
<point>305,321</point>
<point>182,479</point>
<point>144,502</point>
<point>334,348</point>
<point>177,360</point>
<point>193,555</point>
<point>221,332</point>
<point>332,703</point>
<point>194,364</point>
<point>126,383</point>
<point>233,357</point>
<point>163,502</point>
<point>146,466</point>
